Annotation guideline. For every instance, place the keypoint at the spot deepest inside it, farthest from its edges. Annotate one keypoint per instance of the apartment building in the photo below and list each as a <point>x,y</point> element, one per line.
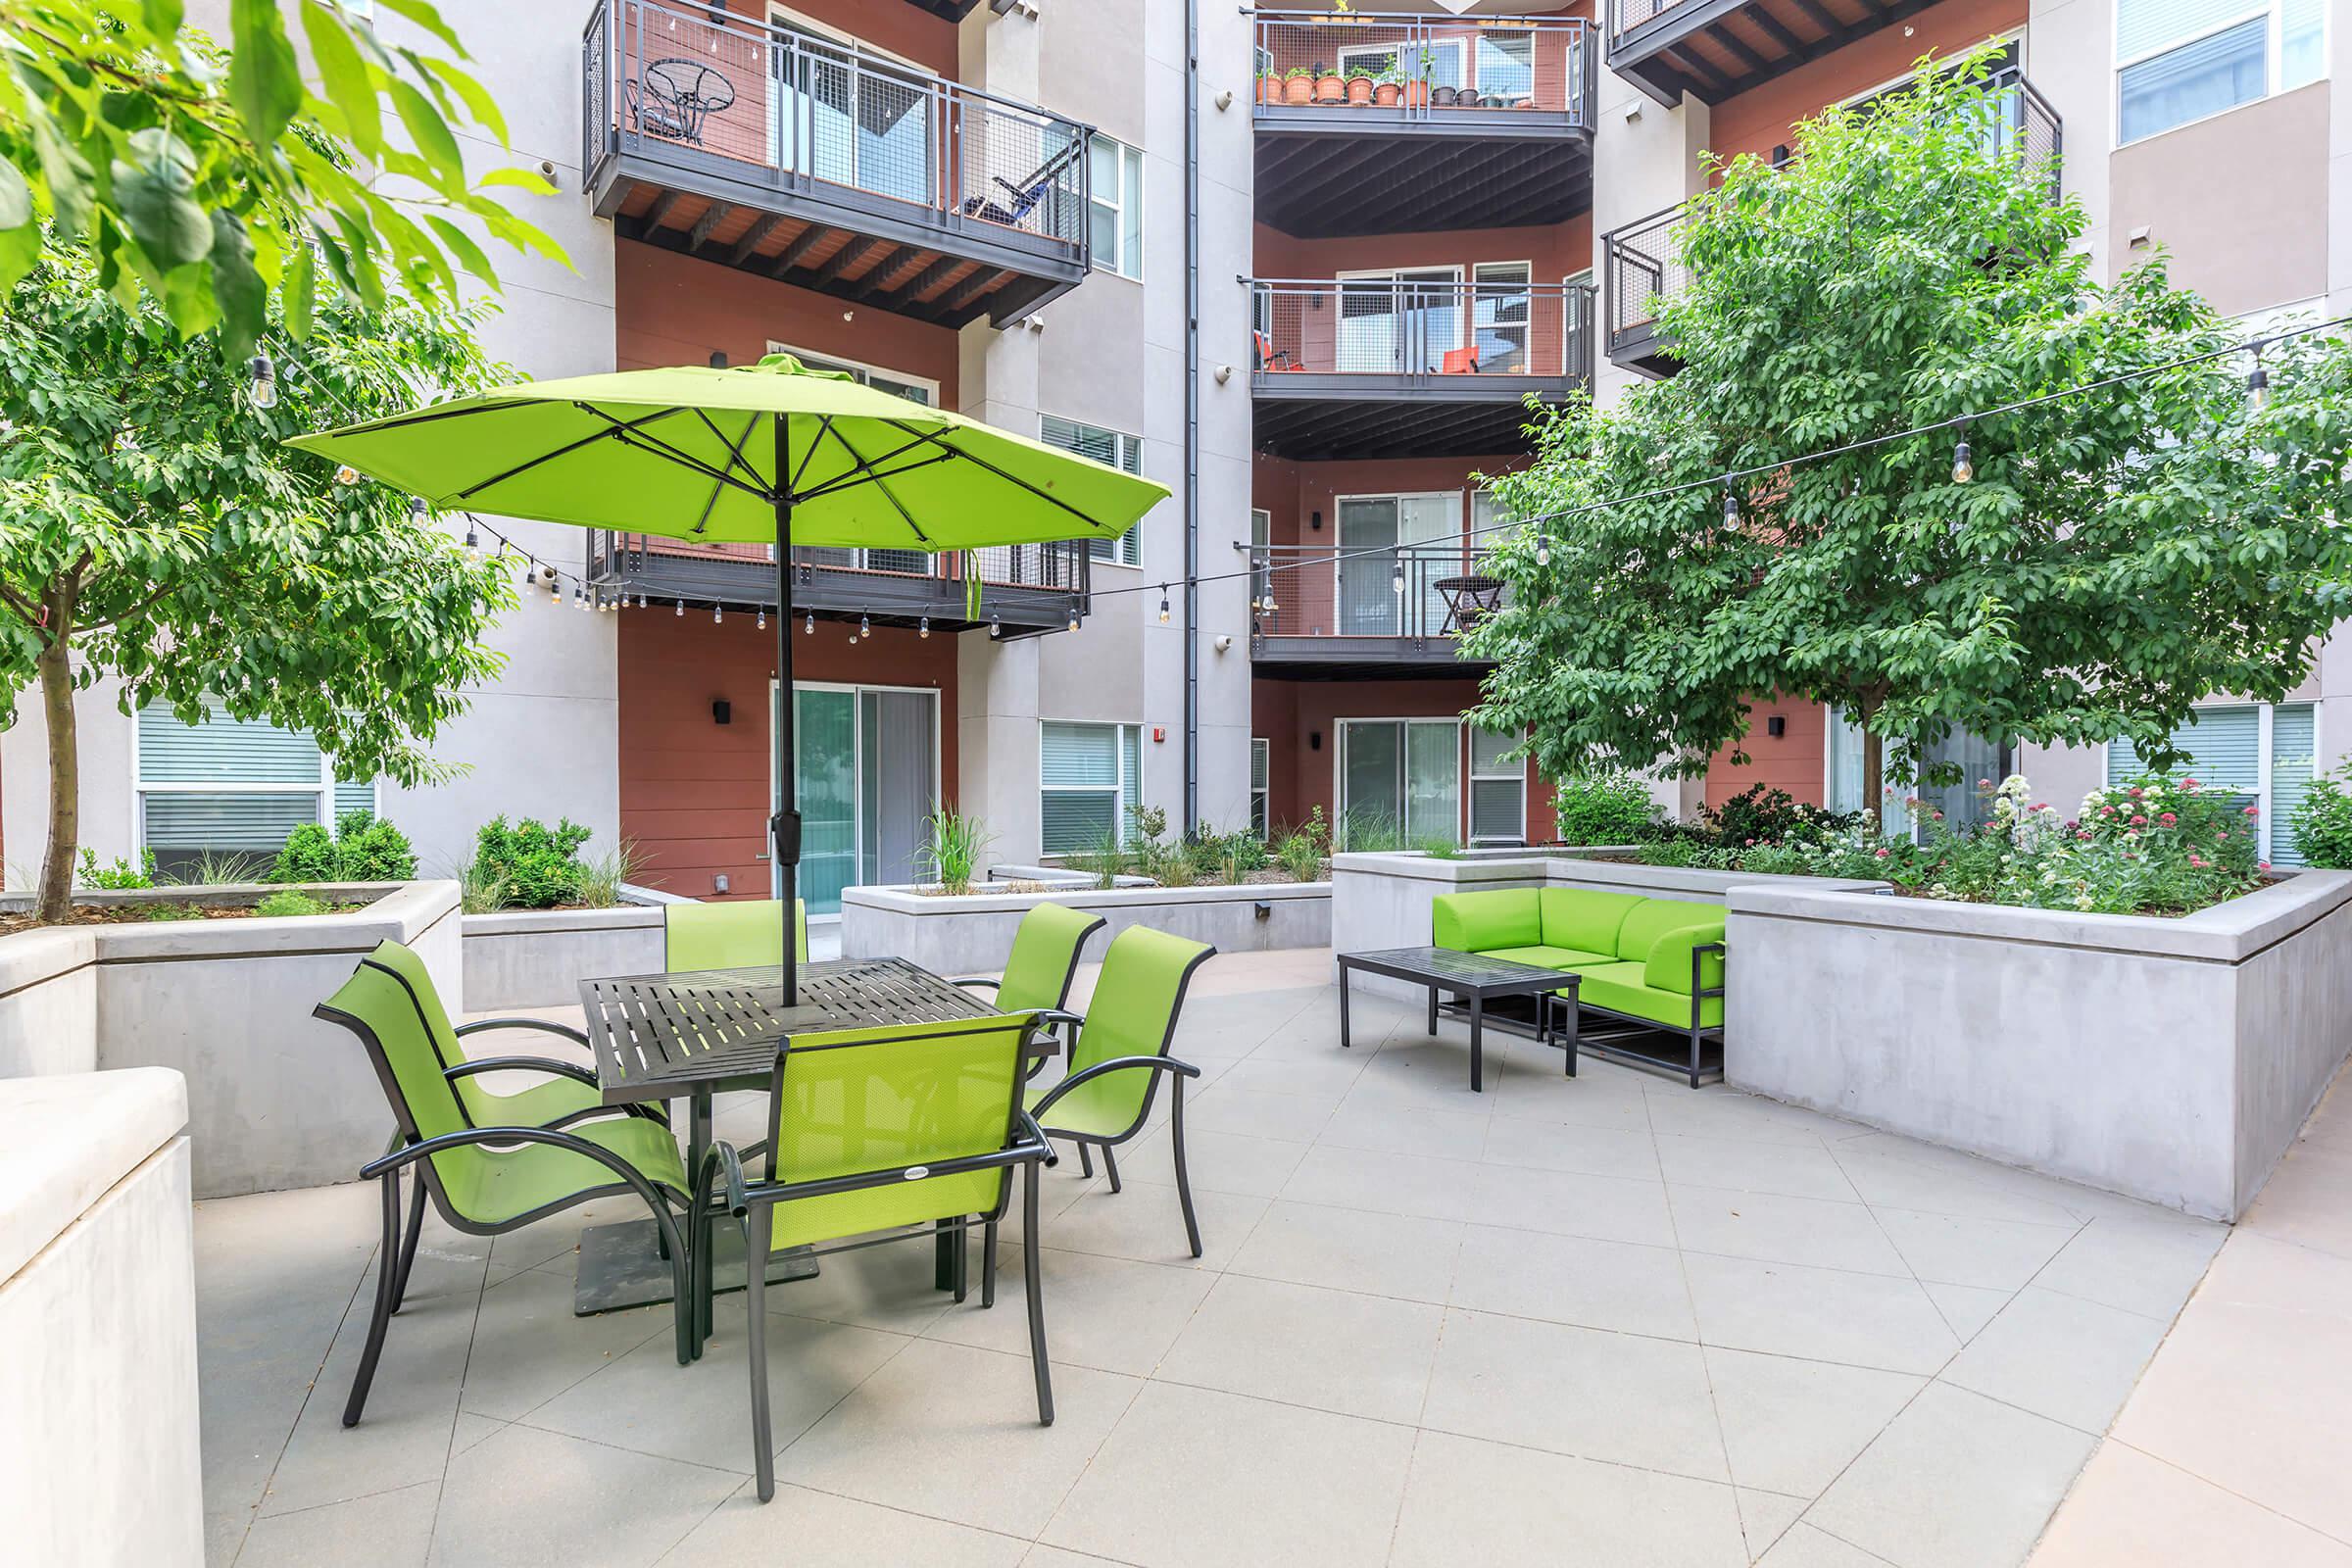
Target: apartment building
<point>1307,286</point>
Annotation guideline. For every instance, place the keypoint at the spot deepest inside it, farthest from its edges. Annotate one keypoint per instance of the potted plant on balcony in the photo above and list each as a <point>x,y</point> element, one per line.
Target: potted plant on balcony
<point>1359,86</point>
<point>1417,89</point>
<point>1330,87</point>
<point>1297,85</point>
<point>1270,86</point>
<point>1388,87</point>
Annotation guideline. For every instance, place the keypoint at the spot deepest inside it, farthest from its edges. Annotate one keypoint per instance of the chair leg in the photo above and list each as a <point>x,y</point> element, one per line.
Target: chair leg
<point>408,1242</point>
<point>1110,1166</point>
<point>1086,1161</point>
<point>386,1270</point>
<point>1037,1305</point>
<point>963,1261</point>
<point>987,1264</point>
<point>1184,1182</point>
<point>754,1297</point>
<point>681,1291</point>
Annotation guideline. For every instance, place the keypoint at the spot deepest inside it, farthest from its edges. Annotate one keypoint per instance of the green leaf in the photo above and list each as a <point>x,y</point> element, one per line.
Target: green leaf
<point>523,179</point>
<point>425,16</point>
<point>237,288</point>
<point>163,16</point>
<point>300,290</point>
<point>349,81</point>
<point>16,196</point>
<point>20,249</point>
<point>430,132</point>
<point>477,99</point>
<point>461,244</point>
<point>154,196</point>
<point>264,80</point>
<point>66,171</point>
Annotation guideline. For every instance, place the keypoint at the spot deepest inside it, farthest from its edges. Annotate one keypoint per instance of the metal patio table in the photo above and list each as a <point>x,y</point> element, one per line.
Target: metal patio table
<point>691,1035</point>
<point>1477,979</point>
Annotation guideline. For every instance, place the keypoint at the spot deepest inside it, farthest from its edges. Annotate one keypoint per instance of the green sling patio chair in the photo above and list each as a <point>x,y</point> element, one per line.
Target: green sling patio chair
<point>735,933</point>
<point>1120,1052</point>
<point>484,1179</point>
<point>1041,966</point>
<point>877,1136</point>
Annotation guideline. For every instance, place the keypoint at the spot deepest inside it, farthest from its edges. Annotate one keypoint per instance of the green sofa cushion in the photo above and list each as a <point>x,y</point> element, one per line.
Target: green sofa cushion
<point>1478,922</point>
<point>1620,987</point>
<point>1585,918</point>
<point>1669,965</point>
<point>1656,917</point>
<point>1548,958</point>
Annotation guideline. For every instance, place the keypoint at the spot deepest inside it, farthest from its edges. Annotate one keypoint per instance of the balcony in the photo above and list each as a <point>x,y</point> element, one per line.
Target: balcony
<point>1025,589</point>
<point>947,10</point>
<point>1712,49</point>
<point>1642,263</point>
<point>1348,612</point>
<point>1375,123</point>
<point>1411,366</point>
<point>821,165</point>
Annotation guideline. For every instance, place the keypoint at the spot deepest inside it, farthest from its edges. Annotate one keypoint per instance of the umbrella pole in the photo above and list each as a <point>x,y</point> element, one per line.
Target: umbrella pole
<point>784,832</point>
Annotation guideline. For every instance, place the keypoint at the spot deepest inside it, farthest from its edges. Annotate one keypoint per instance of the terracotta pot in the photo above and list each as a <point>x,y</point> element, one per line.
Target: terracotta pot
<point>1359,91</point>
<point>1441,96</point>
<point>1331,90</point>
<point>1416,93</point>
<point>1298,91</point>
<point>1386,94</point>
<point>1269,89</point>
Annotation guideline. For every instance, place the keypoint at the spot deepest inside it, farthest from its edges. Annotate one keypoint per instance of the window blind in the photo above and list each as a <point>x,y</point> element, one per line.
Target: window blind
<point>1112,448</point>
<point>2143,26</point>
<point>219,750</point>
<point>2222,751</point>
<point>1085,773</point>
<point>2294,741</point>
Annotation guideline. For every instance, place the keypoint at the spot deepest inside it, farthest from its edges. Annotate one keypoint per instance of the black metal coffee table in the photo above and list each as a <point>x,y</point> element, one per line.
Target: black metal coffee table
<point>1478,980</point>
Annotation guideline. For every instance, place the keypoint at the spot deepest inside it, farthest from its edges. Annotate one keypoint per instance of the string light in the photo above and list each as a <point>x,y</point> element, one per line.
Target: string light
<point>996,623</point>
<point>2258,382</point>
<point>809,627</point>
<point>1543,548</point>
<point>261,382</point>
<point>866,628</point>
<point>714,615</point>
<point>1962,469</point>
<point>764,619</point>
<point>1731,506</point>
<point>681,607</point>
<point>923,629</point>
<point>1074,619</point>
<point>1397,578</point>
<point>1163,604</point>
<point>473,541</point>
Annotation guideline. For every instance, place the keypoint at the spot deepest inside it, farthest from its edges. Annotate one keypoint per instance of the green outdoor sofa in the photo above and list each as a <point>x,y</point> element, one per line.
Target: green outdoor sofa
<point>1654,962</point>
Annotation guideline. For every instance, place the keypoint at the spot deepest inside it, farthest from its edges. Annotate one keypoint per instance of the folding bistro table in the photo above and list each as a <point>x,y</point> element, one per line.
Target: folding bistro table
<point>688,1036</point>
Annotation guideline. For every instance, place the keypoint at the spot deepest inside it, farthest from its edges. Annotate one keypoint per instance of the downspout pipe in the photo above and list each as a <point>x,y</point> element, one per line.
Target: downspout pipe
<point>1192,415</point>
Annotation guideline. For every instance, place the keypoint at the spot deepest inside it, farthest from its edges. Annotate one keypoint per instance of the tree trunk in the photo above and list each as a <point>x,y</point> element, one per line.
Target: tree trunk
<point>65,775</point>
<point>1874,774</point>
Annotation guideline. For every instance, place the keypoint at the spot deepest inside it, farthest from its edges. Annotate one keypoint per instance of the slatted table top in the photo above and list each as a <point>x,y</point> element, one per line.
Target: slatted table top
<point>1453,970</point>
<point>660,1036</point>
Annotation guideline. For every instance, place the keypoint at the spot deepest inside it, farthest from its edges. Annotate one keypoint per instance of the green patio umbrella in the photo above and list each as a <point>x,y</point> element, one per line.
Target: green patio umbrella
<point>774,452</point>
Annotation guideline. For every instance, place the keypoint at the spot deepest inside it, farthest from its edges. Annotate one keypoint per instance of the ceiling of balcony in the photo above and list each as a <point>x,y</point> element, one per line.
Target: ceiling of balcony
<point>1482,168</point>
<point>1712,49</point>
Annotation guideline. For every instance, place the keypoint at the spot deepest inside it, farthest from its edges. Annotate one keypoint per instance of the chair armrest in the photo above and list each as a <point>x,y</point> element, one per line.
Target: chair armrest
<point>540,1065</point>
<point>979,980</point>
<point>1116,1064</point>
<point>576,1035</point>
<point>631,1177</point>
<point>721,1164</point>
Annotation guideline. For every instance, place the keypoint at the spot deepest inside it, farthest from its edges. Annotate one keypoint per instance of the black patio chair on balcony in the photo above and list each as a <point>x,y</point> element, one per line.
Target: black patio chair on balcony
<point>1021,197</point>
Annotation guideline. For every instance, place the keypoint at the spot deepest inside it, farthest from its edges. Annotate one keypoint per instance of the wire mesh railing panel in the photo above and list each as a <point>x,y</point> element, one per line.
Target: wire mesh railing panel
<point>1433,589</point>
<point>1642,261</point>
<point>1063,564</point>
<point>1421,65</point>
<point>596,86</point>
<point>801,108</point>
<point>1408,325</point>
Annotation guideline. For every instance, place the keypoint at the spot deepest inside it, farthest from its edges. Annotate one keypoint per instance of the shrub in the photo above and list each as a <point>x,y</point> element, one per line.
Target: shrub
<point>121,875</point>
<point>952,845</point>
<point>533,860</point>
<point>1300,855</point>
<point>1761,815</point>
<point>600,879</point>
<point>307,856</point>
<point>1104,861</point>
<point>362,848</point>
<point>2323,821</point>
<point>1603,808</point>
<point>290,902</point>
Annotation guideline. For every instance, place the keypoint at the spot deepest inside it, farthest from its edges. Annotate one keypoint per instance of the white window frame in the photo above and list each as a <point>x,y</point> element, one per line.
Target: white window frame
<point>1472,778</point>
<point>1568,308</point>
<point>1124,803</point>
<point>2265,718</point>
<point>1261,796</point>
<point>1461,765</point>
<point>1396,50</point>
<point>1527,328</point>
<point>2273,65</point>
<point>824,359</point>
<point>1128,549</point>
<point>323,791</point>
<point>1131,171</point>
<point>776,875</point>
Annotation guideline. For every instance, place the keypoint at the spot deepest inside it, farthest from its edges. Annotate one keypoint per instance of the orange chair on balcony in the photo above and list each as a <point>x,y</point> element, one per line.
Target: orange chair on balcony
<point>1270,358</point>
<point>1460,362</point>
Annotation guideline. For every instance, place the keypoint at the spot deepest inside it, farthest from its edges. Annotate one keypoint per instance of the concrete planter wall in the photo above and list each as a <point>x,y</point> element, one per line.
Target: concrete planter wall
<point>2170,1059</point>
<point>98,1428</point>
<point>1383,899</point>
<point>537,958</point>
<point>972,935</point>
<point>275,1098</point>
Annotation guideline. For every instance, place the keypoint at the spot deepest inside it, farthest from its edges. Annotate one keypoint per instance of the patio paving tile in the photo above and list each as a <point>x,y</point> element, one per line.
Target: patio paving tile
<point>1336,1351</point>
<point>952,1432</point>
<point>2146,1267</point>
<point>388,1530</point>
<point>1819,1314</point>
<point>1191,1478</point>
<point>1898,1500</point>
<point>1403,1130</point>
<point>1570,1279</point>
<point>1145,1221</point>
<point>1390,1184</point>
<point>1805,1546</point>
<point>1792,1171</point>
<point>1889,1180</point>
<point>1110,1313</point>
<point>2129,1507</point>
<point>1258,1113</point>
<point>1605,1208</point>
<point>529,1347</point>
<point>1473,1502</point>
<point>1791,1426</point>
<point>1217,1162</point>
<point>1618,1397</point>
<point>814,1527</point>
<point>2000,1255</point>
<point>2059,1356</point>
<point>1627,1153</point>
<point>1352,1249</point>
<point>1772,1229</point>
<point>1765,1517</point>
<point>1966,1308</point>
<point>527,1496</point>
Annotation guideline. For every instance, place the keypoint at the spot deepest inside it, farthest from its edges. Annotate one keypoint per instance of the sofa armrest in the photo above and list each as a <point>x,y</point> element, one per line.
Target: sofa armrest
<point>1478,922</point>
<point>1679,955</point>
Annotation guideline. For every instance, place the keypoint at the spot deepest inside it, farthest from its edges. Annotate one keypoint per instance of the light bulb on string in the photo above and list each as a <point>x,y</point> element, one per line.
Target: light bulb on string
<point>1073,621</point>
<point>1731,506</point>
<point>809,627</point>
<point>473,541</point>
<point>923,629</point>
<point>347,475</point>
<point>1163,604</point>
<point>1397,578</point>
<point>715,615</point>
<point>2258,382</point>
<point>866,627</point>
<point>261,381</point>
<point>1543,549</point>
<point>1964,467</point>
<point>763,618</point>
<point>681,611</point>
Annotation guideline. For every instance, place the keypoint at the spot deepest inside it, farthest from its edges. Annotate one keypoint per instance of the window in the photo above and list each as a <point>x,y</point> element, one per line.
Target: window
<point>1498,789</point>
<point>2263,754</point>
<point>1502,303</point>
<point>1400,782</point>
<point>1962,801</point>
<point>1261,767</point>
<point>1113,447</point>
<point>231,787</point>
<point>2183,60</point>
<point>1115,222</point>
<point>1089,777</point>
<point>913,388</point>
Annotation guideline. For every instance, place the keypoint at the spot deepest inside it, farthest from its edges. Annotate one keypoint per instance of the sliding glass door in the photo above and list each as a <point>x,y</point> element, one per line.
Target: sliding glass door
<point>1400,780</point>
<point>1380,536</point>
<point>867,775</point>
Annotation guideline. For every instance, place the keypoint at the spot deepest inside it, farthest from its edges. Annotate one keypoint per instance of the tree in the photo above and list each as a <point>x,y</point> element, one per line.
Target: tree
<point>2116,555</point>
<point>206,183</point>
<point>158,529</point>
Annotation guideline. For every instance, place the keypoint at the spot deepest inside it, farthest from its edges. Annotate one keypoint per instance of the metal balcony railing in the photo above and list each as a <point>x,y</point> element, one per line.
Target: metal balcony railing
<point>1423,65</point>
<point>1642,261</point>
<point>1413,592</point>
<point>1414,328</point>
<point>885,581</point>
<point>784,108</point>
<point>1624,15</point>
